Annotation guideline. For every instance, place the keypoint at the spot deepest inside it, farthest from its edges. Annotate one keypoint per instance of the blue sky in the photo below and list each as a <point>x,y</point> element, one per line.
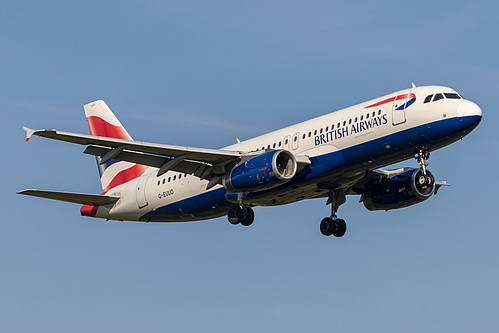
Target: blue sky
<point>203,74</point>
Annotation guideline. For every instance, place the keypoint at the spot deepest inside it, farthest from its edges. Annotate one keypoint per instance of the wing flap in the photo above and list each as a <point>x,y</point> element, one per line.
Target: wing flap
<point>186,166</point>
<point>79,198</point>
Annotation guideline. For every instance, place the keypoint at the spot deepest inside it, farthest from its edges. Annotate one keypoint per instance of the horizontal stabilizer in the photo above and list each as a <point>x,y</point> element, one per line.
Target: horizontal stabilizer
<point>79,198</point>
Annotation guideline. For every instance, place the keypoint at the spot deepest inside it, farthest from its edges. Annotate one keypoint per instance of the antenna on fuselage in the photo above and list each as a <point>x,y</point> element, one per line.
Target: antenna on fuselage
<point>413,85</point>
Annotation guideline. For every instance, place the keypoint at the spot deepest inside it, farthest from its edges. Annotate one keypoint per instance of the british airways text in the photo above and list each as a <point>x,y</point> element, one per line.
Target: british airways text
<point>351,129</point>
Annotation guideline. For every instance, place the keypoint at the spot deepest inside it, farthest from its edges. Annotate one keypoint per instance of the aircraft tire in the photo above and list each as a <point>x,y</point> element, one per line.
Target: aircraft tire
<point>335,227</point>
<point>235,215</point>
<point>422,180</point>
<point>326,226</point>
<point>340,228</point>
<point>249,218</point>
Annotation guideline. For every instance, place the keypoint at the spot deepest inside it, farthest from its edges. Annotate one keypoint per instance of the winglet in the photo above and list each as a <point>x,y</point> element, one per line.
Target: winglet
<point>29,133</point>
<point>438,185</point>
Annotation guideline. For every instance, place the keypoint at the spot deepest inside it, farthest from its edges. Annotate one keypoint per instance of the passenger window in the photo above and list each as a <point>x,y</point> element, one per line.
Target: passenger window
<point>320,131</point>
<point>280,142</point>
<point>179,176</point>
<point>164,181</point>
<point>355,119</point>
<point>452,96</point>
<point>268,147</point>
<point>339,125</point>
<point>327,127</point>
<point>350,121</point>
<point>332,127</point>
<point>169,178</point>
<point>367,116</point>
<point>379,112</point>
<point>309,134</point>
<point>273,146</point>
<point>361,117</point>
<point>438,97</point>
<point>374,113</point>
<point>344,123</point>
<point>315,132</point>
<point>304,135</point>
<point>159,182</point>
<point>174,177</point>
<point>428,99</point>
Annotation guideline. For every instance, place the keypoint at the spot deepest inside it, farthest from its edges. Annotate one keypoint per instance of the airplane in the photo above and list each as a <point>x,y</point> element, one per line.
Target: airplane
<point>331,156</point>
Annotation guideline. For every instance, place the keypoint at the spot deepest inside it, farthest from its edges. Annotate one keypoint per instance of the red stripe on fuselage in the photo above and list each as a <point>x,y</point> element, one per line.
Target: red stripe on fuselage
<point>100,127</point>
<point>126,175</point>
<point>391,99</point>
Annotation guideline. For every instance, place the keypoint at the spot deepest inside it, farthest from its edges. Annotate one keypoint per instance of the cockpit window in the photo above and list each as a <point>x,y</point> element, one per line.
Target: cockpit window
<point>428,98</point>
<point>438,97</point>
<point>452,96</point>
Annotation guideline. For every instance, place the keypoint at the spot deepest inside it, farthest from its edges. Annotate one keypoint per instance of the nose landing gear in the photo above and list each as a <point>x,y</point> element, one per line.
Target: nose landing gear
<point>424,178</point>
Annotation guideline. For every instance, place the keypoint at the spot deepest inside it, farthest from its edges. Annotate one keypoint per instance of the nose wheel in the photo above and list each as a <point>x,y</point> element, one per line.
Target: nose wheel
<point>424,179</point>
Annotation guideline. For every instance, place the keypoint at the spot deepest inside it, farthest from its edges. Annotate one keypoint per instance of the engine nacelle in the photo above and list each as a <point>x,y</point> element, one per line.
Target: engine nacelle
<point>261,172</point>
<point>404,189</point>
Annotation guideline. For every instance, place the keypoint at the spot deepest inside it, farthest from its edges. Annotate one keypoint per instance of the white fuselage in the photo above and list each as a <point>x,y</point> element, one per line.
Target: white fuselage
<point>342,146</point>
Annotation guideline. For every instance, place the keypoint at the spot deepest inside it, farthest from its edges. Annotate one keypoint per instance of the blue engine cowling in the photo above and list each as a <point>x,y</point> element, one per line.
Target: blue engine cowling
<point>262,172</point>
<point>401,190</point>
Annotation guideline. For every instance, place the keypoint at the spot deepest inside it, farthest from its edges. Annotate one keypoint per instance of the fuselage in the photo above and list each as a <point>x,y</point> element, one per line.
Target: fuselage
<point>343,146</point>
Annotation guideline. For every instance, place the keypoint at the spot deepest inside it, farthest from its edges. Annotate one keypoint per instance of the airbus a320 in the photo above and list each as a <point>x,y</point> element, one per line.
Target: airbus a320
<point>329,157</point>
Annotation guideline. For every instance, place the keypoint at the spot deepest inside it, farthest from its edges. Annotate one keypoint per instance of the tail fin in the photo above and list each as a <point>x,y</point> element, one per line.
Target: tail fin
<point>102,122</point>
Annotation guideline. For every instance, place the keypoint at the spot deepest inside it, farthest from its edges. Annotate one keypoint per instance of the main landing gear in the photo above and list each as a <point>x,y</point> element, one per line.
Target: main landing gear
<point>241,214</point>
<point>333,225</point>
<point>424,178</point>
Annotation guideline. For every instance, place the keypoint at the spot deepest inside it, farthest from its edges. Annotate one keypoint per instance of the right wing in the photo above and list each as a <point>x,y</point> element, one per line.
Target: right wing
<point>202,162</point>
<point>206,155</point>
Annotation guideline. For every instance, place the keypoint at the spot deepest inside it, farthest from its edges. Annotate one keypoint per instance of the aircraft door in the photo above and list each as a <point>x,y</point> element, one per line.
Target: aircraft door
<point>286,142</point>
<point>141,191</point>
<point>296,138</point>
<point>398,109</point>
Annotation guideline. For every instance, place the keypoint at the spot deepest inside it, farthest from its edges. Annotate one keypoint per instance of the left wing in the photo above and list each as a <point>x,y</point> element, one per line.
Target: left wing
<point>376,176</point>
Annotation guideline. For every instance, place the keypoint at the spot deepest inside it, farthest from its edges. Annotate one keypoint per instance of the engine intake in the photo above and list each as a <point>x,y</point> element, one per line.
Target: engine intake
<point>262,172</point>
<point>404,189</point>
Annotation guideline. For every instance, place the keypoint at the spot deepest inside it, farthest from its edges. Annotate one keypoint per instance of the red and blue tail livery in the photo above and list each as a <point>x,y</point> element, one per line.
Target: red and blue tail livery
<point>334,156</point>
<point>103,123</point>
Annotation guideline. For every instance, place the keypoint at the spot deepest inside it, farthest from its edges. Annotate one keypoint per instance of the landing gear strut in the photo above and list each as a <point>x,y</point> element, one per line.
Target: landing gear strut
<point>424,178</point>
<point>333,225</point>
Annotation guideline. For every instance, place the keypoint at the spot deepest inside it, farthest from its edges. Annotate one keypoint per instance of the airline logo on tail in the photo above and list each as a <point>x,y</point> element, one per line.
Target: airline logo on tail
<point>102,122</point>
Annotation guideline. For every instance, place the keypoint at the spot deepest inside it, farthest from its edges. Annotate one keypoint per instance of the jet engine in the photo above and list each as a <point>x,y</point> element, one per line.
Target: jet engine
<point>404,189</point>
<point>261,172</point>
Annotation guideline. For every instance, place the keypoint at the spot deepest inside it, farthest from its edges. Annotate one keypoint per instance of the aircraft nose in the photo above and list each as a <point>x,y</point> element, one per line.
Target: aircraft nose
<point>469,115</point>
<point>468,108</point>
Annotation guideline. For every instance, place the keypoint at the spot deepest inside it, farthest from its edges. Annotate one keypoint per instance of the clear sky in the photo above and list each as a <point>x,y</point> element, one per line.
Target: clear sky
<point>203,73</point>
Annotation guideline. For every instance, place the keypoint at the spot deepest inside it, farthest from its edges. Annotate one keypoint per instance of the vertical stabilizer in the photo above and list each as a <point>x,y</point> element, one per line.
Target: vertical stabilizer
<point>102,122</point>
